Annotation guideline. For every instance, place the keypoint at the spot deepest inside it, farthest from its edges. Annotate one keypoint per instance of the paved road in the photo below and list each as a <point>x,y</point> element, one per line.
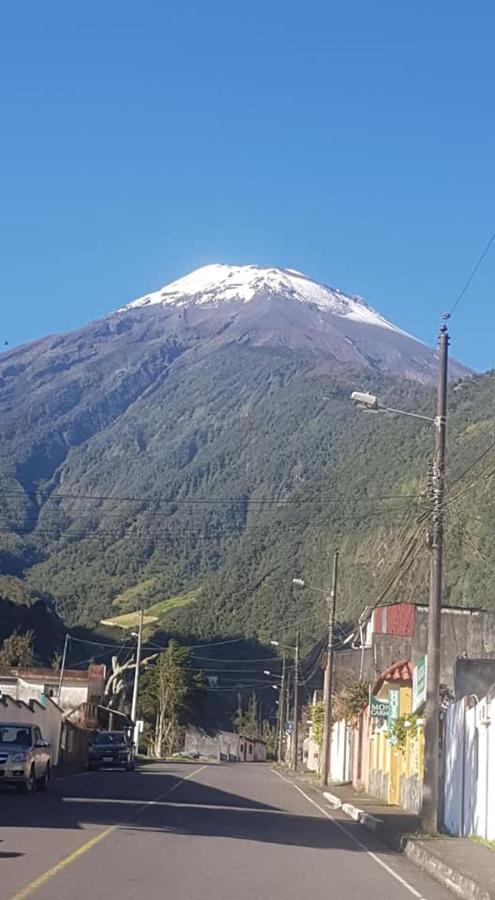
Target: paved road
<point>186,832</point>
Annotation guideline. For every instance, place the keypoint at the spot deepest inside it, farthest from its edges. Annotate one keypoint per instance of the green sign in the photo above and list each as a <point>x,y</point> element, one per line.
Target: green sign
<point>393,708</point>
<point>419,683</point>
<point>378,708</point>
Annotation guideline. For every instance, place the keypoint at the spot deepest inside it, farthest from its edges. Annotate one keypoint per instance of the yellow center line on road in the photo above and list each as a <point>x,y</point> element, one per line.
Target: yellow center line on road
<point>81,851</point>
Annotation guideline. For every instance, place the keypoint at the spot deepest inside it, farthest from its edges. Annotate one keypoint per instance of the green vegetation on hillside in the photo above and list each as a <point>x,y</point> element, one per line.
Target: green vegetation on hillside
<point>154,614</point>
<point>221,476</point>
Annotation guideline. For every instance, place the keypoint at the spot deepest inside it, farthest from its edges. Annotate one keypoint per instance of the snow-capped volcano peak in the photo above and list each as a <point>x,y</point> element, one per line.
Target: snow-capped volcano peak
<point>217,284</point>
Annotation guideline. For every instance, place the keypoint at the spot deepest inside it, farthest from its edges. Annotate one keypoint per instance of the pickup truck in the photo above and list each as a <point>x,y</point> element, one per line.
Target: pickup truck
<point>24,757</point>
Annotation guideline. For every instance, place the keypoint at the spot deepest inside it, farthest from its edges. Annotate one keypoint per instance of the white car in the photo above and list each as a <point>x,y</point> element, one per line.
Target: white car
<point>24,757</point>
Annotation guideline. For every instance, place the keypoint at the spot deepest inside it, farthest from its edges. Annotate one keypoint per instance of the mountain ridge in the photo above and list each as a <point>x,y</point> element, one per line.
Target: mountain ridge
<point>220,283</point>
<point>195,452</point>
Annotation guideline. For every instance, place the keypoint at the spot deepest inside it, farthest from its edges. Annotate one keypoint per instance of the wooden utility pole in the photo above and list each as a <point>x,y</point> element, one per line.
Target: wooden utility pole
<point>328,679</point>
<point>281,712</point>
<point>62,667</point>
<point>429,810</point>
<point>295,732</point>
<point>135,689</point>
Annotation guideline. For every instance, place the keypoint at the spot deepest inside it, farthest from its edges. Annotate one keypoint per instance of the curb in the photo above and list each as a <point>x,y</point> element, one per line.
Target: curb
<point>334,801</point>
<point>459,884</point>
<point>418,853</point>
<point>359,815</point>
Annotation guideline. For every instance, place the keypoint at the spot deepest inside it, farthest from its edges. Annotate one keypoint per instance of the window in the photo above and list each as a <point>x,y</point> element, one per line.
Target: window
<point>110,737</point>
<point>20,735</point>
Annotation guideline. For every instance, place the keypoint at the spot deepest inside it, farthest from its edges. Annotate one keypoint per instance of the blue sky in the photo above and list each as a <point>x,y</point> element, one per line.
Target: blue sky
<point>355,142</point>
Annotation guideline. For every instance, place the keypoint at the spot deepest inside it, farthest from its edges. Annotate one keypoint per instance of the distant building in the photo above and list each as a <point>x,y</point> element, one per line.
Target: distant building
<point>81,701</point>
<point>36,683</point>
<point>224,745</point>
<point>400,631</point>
<point>31,695</point>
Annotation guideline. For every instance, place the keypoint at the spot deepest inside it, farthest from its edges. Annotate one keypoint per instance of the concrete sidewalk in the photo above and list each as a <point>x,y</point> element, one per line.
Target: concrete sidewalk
<point>463,865</point>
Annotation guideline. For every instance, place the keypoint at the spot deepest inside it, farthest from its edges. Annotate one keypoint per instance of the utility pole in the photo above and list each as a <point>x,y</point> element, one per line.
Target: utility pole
<point>62,667</point>
<point>136,674</point>
<point>281,712</point>
<point>295,732</point>
<point>287,707</point>
<point>429,812</point>
<point>328,679</point>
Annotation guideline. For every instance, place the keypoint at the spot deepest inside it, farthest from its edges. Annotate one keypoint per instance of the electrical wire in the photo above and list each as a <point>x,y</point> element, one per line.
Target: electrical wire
<point>461,529</point>
<point>471,275</point>
<point>473,464</point>
<point>165,536</point>
<point>197,501</point>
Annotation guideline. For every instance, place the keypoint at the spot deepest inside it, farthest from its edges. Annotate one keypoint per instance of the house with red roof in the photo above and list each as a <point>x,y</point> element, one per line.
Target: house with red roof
<point>388,741</point>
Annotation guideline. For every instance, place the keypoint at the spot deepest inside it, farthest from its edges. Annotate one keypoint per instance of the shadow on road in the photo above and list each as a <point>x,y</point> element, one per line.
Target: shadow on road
<point>163,802</point>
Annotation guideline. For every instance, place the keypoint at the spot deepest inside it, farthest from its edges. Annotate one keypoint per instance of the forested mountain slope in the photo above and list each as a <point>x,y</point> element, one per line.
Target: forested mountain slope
<point>151,451</point>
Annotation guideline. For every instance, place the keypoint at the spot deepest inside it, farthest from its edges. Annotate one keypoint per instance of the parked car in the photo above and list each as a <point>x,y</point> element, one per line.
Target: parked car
<point>25,759</point>
<point>111,748</point>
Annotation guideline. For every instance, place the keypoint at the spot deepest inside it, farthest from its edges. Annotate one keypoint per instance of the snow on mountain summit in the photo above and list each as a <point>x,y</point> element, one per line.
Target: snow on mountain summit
<point>217,284</point>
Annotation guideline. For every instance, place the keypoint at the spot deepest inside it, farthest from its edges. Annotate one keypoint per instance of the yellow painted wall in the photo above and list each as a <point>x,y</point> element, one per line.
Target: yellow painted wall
<point>398,761</point>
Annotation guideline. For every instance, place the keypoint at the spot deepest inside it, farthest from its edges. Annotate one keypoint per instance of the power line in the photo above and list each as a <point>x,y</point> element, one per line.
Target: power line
<point>463,532</point>
<point>473,464</point>
<point>471,275</point>
<point>198,501</point>
<point>163,536</point>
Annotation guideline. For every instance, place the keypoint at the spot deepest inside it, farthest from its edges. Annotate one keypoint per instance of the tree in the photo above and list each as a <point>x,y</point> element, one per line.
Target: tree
<point>115,683</point>
<point>270,737</point>
<point>317,713</point>
<point>57,660</point>
<point>351,700</point>
<point>17,650</point>
<point>247,723</point>
<point>168,693</point>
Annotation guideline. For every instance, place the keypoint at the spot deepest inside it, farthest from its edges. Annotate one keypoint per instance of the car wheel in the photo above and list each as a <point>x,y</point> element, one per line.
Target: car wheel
<point>29,785</point>
<point>42,783</point>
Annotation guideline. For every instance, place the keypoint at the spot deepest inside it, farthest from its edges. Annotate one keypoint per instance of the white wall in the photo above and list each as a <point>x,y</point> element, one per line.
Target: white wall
<point>70,695</point>
<point>340,753</point>
<point>47,718</point>
<point>9,687</point>
<point>259,751</point>
<point>311,754</point>
<point>469,790</point>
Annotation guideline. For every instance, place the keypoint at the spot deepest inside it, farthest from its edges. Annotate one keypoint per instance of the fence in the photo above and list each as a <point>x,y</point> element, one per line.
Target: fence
<point>469,776</point>
<point>341,752</point>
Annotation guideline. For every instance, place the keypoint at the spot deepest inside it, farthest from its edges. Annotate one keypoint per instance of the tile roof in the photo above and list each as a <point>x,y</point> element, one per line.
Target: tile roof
<point>399,671</point>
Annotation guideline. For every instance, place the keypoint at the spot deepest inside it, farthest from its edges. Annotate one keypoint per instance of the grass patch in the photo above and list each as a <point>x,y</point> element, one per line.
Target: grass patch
<point>128,620</point>
<point>483,841</point>
<point>153,615</point>
<point>130,598</point>
<point>161,608</point>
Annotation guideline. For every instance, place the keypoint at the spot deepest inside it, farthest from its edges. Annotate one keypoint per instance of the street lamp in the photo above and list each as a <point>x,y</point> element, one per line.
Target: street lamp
<point>429,811</point>
<point>300,582</point>
<point>372,404</point>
